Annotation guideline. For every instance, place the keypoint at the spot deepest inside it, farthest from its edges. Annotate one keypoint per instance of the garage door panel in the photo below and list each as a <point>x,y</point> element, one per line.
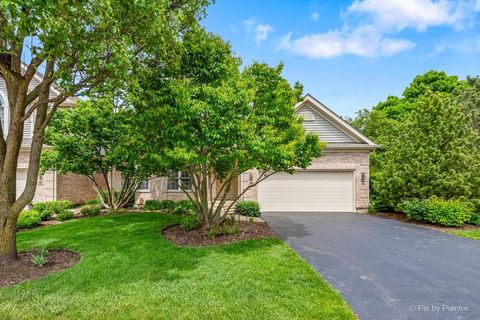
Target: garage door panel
<point>307,191</point>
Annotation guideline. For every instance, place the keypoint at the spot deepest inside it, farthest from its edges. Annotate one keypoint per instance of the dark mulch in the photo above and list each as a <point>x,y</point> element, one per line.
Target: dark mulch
<point>198,237</point>
<point>23,269</point>
<point>399,216</point>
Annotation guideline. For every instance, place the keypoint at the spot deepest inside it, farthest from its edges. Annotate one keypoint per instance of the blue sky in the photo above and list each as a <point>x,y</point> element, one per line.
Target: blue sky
<point>353,54</point>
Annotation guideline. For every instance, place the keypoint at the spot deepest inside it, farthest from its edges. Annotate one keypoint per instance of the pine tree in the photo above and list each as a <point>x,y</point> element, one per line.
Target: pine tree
<point>435,153</point>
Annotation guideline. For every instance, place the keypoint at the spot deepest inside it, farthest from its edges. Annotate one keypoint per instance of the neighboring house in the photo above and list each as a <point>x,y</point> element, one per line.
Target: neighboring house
<point>337,181</point>
<point>50,186</point>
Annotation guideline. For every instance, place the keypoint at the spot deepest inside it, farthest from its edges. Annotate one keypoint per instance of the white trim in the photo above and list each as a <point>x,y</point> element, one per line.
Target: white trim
<point>6,114</point>
<point>337,121</point>
<point>145,189</point>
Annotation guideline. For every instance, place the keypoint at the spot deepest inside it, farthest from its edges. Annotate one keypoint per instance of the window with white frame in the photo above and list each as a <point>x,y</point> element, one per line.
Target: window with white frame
<point>178,180</point>
<point>144,186</point>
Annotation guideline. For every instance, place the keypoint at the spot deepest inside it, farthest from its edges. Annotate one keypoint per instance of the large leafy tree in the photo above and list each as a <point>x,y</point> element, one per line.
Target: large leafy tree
<point>221,123</point>
<point>383,123</point>
<point>435,152</point>
<point>81,47</point>
<point>96,139</point>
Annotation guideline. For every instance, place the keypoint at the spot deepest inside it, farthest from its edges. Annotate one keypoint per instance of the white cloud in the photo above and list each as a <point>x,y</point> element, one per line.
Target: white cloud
<point>261,32</point>
<point>396,15</point>
<point>315,15</point>
<point>363,41</point>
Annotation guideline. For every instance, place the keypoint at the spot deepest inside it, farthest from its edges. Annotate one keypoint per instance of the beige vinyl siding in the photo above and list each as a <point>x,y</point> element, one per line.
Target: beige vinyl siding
<point>325,130</point>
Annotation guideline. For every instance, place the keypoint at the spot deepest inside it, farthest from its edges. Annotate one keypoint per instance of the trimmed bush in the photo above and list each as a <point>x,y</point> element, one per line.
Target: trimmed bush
<point>189,222</point>
<point>167,204</point>
<point>450,213</point>
<point>28,219</point>
<point>183,207</point>
<point>151,205</point>
<point>248,208</point>
<point>51,208</point>
<point>475,219</point>
<point>65,215</point>
<point>90,210</point>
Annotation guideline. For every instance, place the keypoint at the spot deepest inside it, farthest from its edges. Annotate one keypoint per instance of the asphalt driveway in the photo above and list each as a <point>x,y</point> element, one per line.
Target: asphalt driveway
<point>386,269</point>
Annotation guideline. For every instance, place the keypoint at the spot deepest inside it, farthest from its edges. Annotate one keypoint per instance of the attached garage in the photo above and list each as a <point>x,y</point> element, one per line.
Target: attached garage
<point>308,191</point>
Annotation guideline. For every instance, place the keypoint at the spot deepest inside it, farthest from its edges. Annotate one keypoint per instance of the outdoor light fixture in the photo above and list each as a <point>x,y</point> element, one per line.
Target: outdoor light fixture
<point>364,178</point>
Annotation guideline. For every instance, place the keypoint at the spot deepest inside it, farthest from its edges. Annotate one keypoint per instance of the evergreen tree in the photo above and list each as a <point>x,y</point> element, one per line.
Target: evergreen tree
<point>435,152</point>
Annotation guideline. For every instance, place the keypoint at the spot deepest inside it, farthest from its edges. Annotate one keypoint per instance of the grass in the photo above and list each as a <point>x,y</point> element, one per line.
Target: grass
<point>129,271</point>
<point>472,234</point>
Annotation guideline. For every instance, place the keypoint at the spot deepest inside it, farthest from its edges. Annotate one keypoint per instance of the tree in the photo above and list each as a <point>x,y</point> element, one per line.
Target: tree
<point>215,122</point>
<point>95,139</point>
<point>435,152</point>
<point>82,47</point>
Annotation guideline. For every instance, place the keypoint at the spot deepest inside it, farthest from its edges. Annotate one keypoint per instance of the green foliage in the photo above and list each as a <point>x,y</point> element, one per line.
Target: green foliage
<point>97,136</point>
<point>223,230</point>
<point>50,208</point>
<point>435,210</point>
<point>151,204</point>
<point>434,153</point>
<point>40,259</point>
<point>248,208</point>
<point>65,215</point>
<point>183,207</point>
<point>475,219</point>
<point>28,219</point>
<point>220,121</point>
<point>90,210</point>
<point>159,205</point>
<point>422,134</point>
<point>189,222</point>
<point>94,201</point>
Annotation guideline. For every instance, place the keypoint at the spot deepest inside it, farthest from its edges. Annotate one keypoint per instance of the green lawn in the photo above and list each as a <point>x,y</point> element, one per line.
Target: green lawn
<point>129,271</point>
<point>473,234</point>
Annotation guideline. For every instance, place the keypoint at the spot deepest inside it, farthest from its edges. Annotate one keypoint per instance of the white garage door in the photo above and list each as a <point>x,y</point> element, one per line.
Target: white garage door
<point>308,191</point>
<point>21,181</point>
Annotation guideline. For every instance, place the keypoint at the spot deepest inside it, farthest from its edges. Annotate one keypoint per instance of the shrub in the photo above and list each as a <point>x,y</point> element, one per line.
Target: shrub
<point>475,219</point>
<point>435,210</point>
<point>28,219</point>
<point>223,230</point>
<point>248,208</point>
<point>41,258</point>
<point>93,202</point>
<point>50,208</point>
<point>65,215</point>
<point>189,222</point>
<point>152,205</point>
<point>167,204</point>
<point>183,207</point>
<point>90,210</point>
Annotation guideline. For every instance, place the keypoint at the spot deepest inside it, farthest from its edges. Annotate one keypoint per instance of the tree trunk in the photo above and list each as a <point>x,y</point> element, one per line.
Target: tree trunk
<point>8,246</point>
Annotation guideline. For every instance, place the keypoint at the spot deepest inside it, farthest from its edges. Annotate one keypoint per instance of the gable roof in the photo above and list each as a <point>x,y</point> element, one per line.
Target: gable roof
<point>360,141</point>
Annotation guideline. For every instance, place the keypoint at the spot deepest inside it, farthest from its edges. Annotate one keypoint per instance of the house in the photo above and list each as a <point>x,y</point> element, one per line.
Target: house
<point>51,185</point>
<point>337,181</point>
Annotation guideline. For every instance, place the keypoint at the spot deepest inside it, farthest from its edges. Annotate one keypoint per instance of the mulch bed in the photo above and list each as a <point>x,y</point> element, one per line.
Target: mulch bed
<point>198,237</point>
<point>403,218</point>
<point>23,269</point>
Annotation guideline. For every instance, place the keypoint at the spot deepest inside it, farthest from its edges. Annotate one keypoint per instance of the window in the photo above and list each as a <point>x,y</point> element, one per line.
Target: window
<point>2,113</point>
<point>180,178</point>
<point>144,186</point>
